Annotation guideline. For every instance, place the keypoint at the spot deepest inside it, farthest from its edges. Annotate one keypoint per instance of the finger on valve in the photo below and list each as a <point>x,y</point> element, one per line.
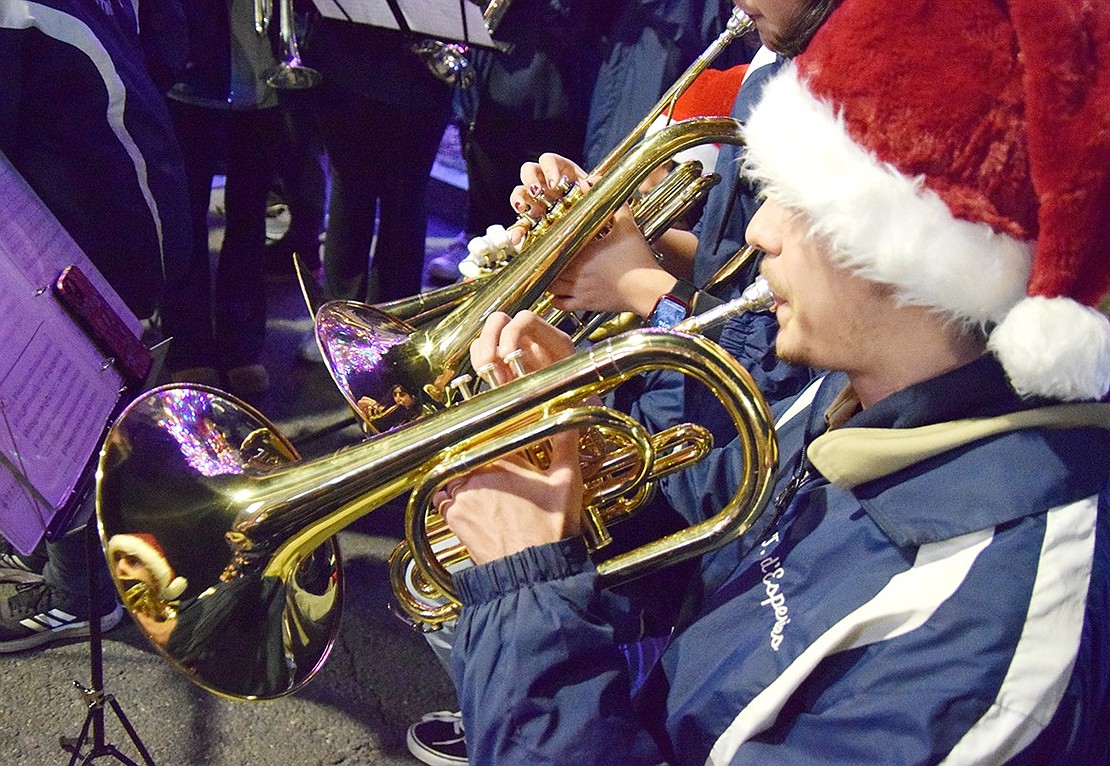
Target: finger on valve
<point>483,349</point>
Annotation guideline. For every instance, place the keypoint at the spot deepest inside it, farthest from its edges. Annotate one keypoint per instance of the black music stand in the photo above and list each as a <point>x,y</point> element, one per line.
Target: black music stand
<point>463,23</point>
<point>53,291</point>
<point>136,365</point>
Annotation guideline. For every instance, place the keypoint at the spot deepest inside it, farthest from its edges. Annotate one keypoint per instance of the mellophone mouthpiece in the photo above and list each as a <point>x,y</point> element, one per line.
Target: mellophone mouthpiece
<point>757,297</point>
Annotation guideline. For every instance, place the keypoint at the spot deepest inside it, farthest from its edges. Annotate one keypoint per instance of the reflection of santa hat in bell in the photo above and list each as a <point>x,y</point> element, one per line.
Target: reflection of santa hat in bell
<point>960,152</point>
<point>144,546</point>
<point>711,94</point>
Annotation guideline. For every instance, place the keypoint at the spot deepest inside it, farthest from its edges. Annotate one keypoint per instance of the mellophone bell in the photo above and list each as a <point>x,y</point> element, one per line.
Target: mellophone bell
<point>239,585</point>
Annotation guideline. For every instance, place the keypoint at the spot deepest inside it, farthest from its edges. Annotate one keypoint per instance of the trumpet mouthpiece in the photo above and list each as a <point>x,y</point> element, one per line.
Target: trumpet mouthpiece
<point>757,298</point>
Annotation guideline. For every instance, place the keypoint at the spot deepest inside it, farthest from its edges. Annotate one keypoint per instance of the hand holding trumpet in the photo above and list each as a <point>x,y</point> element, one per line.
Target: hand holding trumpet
<point>510,504</point>
<point>615,273</point>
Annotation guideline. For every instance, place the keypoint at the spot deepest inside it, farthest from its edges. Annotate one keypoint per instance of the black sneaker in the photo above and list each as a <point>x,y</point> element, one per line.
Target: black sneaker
<point>37,614</point>
<point>437,739</point>
<point>15,567</point>
<point>443,269</point>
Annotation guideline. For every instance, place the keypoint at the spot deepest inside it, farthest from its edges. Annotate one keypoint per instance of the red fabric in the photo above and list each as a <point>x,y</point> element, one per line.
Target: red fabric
<point>957,120</point>
<point>1067,84</point>
<point>711,94</point>
<point>1002,108</point>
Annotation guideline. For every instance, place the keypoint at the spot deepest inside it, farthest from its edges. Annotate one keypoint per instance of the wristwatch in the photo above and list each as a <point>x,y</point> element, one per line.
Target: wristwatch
<point>674,306</point>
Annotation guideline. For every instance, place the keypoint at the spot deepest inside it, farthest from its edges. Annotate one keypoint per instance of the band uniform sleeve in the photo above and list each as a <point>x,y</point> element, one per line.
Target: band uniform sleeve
<point>537,668</point>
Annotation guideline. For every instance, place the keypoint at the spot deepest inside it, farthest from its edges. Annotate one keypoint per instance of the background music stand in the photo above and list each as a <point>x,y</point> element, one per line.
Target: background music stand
<point>461,23</point>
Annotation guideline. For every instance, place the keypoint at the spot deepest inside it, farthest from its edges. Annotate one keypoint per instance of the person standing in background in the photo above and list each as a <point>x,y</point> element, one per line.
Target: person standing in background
<point>382,114</point>
<point>83,123</point>
<point>227,119</point>
<point>529,98</point>
<point>646,46</point>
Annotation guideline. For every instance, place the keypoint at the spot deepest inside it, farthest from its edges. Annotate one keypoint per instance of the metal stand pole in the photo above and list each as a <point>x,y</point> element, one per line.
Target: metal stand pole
<point>95,698</point>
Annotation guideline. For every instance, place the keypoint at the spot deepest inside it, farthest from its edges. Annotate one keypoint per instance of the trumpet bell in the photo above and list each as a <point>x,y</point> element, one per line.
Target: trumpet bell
<point>371,358</point>
<point>171,476</point>
<point>290,73</point>
<point>449,62</point>
<point>293,75</point>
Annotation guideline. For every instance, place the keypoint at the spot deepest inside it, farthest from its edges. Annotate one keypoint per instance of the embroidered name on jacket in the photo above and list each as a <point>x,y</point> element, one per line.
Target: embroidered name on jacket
<point>776,600</point>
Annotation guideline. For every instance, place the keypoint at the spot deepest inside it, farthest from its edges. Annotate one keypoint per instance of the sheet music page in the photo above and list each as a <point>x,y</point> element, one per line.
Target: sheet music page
<point>442,19</point>
<point>56,395</point>
<point>373,12</point>
<point>434,18</point>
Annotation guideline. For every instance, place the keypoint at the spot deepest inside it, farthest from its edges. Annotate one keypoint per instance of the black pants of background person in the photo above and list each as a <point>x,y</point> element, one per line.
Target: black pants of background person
<point>300,169</point>
<point>380,160</point>
<point>498,142</point>
<point>221,322</point>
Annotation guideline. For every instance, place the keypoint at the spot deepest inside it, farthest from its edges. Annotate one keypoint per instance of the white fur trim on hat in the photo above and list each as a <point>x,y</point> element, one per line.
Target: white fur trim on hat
<point>887,227</point>
<point>1054,347</point>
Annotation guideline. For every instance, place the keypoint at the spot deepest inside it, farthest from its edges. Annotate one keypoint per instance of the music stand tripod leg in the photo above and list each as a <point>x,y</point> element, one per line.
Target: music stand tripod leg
<point>95,698</point>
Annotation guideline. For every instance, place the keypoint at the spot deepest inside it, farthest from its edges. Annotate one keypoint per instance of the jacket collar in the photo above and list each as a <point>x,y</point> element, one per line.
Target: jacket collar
<point>922,442</point>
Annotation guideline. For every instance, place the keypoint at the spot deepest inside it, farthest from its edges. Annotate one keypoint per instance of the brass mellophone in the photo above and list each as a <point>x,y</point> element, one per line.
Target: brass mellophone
<point>247,527</point>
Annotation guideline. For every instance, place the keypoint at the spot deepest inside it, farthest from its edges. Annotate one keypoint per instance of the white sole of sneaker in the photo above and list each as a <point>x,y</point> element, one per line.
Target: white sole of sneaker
<point>430,757</point>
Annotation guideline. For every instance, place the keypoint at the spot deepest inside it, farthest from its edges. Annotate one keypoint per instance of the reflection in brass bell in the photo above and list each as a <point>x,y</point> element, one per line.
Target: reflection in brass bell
<point>449,62</point>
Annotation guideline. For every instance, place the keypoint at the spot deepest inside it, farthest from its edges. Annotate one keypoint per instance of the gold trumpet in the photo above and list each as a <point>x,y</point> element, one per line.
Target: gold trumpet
<point>664,204</point>
<point>654,213</point>
<point>242,589</point>
<point>392,373</point>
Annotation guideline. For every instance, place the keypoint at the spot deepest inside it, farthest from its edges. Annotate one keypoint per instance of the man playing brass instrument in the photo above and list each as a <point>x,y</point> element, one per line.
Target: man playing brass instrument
<point>622,274</point>
<point>930,582</point>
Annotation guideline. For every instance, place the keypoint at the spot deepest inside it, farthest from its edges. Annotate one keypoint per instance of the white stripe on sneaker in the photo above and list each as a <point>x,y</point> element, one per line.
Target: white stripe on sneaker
<point>51,620</point>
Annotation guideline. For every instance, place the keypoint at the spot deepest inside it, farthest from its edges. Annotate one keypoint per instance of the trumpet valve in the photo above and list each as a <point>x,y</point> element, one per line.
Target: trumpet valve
<point>461,385</point>
<point>538,194</point>
<point>539,454</point>
<point>514,360</point>
<point>487,374</point>
<point>593,528</point>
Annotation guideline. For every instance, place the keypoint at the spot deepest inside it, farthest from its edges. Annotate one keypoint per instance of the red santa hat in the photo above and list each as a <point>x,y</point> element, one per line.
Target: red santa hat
<point>711,94</point>
<point>144,546</point>
<point>960,152</point>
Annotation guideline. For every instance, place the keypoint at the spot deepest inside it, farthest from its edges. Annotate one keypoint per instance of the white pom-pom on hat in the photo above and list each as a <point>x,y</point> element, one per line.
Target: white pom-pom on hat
<point>1054,347</point>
